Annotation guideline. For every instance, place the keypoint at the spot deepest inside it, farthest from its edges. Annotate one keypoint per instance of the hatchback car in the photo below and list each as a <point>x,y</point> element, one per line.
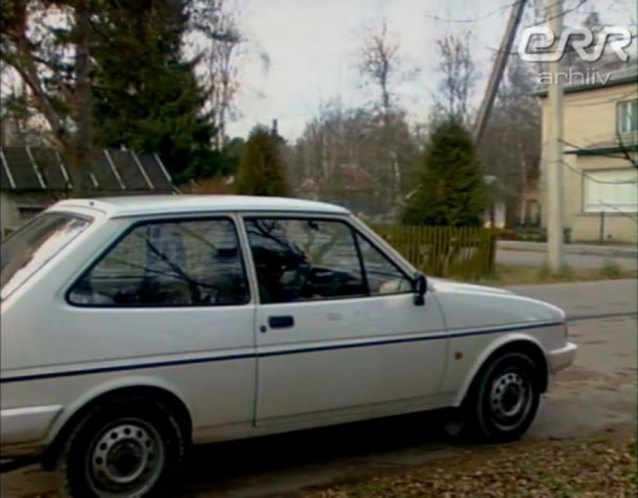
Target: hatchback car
<point>134,327</point>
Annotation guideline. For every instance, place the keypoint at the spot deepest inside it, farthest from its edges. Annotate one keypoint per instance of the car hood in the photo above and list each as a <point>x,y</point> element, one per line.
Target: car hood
<point>469,306</point>
<point>443,285</point>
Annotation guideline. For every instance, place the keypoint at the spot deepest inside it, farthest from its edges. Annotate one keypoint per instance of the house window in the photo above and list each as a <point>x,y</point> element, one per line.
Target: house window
<point>628,116</point>
<point>611,191</point>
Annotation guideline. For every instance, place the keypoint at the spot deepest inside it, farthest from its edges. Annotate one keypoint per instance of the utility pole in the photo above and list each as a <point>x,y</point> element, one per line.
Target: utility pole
<point>499,67</point>
<point>554,150</point>
<point>497,73</point>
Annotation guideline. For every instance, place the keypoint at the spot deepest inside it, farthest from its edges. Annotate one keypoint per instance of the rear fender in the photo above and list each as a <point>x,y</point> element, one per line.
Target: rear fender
<point>105,388</point>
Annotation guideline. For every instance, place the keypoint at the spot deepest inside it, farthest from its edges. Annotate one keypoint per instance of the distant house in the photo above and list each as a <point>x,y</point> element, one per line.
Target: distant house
<point>210,186</point>
<point>33,178</point>
<point>348,185</point>
<point>600,162</point>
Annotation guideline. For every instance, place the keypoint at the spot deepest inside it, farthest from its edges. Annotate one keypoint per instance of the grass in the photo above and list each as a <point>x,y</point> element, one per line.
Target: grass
<point>520,275</point>
<point>611,269</point>
<point>580,468</point>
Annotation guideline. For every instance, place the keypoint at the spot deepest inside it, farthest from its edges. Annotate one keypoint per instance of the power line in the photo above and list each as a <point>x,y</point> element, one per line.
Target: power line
<point>619,211</point>
<point>603,154</point>
<point>562,14</point>
<point>605,182</point>
<point>476,19</point>
<point>501,8</point>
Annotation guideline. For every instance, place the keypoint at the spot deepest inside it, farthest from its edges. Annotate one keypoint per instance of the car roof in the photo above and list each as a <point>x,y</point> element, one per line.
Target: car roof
<point>142,205</point>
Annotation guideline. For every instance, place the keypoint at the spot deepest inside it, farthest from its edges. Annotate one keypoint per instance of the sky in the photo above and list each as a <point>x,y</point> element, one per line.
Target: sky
<point>312,47</point>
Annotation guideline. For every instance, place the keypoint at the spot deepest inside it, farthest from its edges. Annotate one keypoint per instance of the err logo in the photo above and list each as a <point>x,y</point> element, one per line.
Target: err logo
<point>539,44</point>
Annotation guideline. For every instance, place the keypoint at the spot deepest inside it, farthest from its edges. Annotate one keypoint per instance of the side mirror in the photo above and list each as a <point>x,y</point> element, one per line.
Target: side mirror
<point>420,289</point>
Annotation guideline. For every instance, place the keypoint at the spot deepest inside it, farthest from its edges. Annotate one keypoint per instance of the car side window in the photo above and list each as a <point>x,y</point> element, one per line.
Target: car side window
<point>304,259</point>
<point>383,276</point>
<point>168,263</point>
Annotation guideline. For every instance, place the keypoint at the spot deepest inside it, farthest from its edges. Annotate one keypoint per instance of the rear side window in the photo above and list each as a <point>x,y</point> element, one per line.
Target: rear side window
<point>171,263</point>
<point>28,249</point>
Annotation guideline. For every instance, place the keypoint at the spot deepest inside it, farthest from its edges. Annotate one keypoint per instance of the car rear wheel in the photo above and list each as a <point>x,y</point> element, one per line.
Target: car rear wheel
<point>503,400</point>
<point>123,448</point>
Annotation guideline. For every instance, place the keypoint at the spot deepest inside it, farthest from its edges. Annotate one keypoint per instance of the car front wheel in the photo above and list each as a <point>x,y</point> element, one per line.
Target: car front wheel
<point>123,448</point>
<point>503,400</point>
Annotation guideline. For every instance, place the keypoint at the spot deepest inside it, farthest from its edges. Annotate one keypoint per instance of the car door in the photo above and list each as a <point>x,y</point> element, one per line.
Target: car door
<point>169,302</point>
<point>338,330</point>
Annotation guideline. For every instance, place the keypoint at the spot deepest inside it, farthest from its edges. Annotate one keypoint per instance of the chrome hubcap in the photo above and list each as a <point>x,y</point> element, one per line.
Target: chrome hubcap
<point>128,457</point>
<point>509,399</point>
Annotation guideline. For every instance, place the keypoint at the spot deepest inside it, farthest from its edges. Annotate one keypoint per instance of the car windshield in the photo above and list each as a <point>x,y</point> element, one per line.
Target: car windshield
<point>28,249</point>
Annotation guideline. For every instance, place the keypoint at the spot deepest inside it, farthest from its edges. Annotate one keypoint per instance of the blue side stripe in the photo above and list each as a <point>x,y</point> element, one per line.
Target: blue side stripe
<point>122,368</point>
<point>245,356</point>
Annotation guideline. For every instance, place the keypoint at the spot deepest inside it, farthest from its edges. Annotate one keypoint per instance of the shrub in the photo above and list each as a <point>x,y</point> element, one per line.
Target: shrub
<point>261,167</point>
<point>450,189</point>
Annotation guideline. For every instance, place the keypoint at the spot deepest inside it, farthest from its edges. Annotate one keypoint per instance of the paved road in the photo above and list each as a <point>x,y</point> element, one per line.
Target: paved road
<point>536,258</point>
<point>625,250</point>
<point>580,299</point>
<point>598,393</point>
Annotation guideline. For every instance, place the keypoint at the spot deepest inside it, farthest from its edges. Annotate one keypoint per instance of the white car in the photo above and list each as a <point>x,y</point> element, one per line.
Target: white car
<point>133,327</point>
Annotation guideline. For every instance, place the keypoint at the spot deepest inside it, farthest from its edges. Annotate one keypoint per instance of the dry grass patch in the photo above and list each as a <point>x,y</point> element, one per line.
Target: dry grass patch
<point>579,468</point>
<point>505,275</point>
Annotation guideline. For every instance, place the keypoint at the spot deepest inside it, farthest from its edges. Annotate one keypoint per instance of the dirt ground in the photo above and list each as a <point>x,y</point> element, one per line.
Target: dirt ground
<point>597,395</point>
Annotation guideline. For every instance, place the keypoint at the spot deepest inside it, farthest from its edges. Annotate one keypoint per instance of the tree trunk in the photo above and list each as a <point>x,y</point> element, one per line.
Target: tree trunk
<point>80,157</point>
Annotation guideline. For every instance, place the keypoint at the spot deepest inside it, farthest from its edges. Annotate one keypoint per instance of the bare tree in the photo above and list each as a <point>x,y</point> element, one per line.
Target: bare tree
<point>342,156</point>
<point>382,66</point>
<point>458,76</point>
<point>379,64</point>
<point>19,125</point>
<point>216,34</point>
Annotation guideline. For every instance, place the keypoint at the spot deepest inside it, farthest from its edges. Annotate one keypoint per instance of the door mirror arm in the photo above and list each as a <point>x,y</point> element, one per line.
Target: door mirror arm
<point>420,289</point>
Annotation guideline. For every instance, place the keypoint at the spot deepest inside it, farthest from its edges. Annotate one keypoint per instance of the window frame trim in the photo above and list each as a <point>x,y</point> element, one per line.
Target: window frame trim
<point>354,232</point>
<point>618,107</point>
<point>585,178</point>
<point>177,218</point>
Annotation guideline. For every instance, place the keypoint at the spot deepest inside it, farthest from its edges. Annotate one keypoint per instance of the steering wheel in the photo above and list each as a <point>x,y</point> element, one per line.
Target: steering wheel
<point>305,277</point>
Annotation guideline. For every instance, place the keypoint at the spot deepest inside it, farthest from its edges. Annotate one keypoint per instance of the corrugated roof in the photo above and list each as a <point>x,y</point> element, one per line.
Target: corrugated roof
<point>39,168</point>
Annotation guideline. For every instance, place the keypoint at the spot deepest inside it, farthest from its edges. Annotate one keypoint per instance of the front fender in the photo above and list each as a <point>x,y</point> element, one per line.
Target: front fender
<point>496,344</point>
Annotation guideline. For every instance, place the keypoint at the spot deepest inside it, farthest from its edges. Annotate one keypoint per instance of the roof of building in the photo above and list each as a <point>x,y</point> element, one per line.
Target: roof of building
<point>43,169</point>
<point>145,205</point>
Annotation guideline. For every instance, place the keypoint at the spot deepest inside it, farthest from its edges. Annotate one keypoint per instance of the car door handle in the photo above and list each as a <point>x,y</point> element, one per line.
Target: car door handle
<point>281,322</point>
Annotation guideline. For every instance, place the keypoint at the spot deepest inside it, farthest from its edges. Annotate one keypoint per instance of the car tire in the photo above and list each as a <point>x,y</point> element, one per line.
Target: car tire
<point>503,400</point>
<point>128,447</point>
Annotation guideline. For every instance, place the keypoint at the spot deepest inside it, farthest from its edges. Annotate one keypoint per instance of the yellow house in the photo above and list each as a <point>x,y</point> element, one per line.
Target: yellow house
<point>600,162</point>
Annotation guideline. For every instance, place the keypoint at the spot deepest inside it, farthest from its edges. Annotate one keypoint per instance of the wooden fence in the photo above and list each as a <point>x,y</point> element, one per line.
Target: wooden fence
<point>463,252</point>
